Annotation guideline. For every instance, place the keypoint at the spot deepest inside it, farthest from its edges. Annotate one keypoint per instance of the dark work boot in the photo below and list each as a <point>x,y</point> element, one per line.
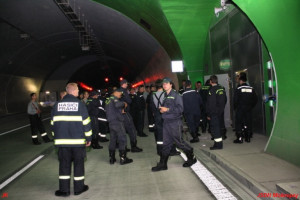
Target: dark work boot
<point>127,149</point>
<point>191,159</point>
<point>112,157</point>
<point>239,139</point>
<point>195,138</point>
<point>95,144</point>
<point>35,141</point>
<point>123,158</point>
<point>217,145</point>
<point>162,165</point>
<point>135,148</point>
<point>46,138</point>
<point>59,193</point>
<point>247,136</point>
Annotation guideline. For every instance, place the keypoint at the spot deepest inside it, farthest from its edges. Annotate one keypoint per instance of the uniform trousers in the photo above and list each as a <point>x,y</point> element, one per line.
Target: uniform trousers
<point>215,123</point>
<point>129,127</point>
<point>36,126</point>
<point>66,156</point>
<point>192,121</point>
<point>117,134</point>
<point>158,131</point>
<point>243,118</point>
<point>172,133</point>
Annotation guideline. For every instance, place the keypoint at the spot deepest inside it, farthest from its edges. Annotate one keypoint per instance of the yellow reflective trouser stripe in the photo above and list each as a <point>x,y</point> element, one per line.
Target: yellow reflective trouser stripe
<point>67,118</point>
<point>218,139</point>
<point>64,177</point>
<point>86,121</point>
<point>78,178</point>
<point>69,141</point>
<point>89,133</point>
<point>51,122</point>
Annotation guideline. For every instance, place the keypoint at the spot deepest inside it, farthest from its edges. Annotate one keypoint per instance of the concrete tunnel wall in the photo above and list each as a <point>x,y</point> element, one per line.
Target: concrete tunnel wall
<point>278,24</point>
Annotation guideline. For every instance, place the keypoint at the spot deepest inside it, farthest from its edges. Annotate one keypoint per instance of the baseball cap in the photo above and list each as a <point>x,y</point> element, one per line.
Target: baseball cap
<point>123,81</point>
<point>94,92</point>
<point>118,90</point>
<point>166,80</point>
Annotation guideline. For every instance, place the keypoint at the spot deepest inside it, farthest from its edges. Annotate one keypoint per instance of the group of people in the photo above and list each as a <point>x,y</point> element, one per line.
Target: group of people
<point>77,123</point>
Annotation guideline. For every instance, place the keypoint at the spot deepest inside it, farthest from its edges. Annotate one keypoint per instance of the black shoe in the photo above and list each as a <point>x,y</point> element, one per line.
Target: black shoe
<point>194,140</point>
<point>112,158</point>
<point>238,141</point>
<point>95,145</point>
<point>123,158</point>
<point>85,188</point>
<point>217,145</point>
<point>61,194</point>
<point>142,135</point>
<point>127,149</point>
<point>36,142</point>
<point>103,139</point>
<point>136,149</point>
<point>162,165</point>
<point>198,134</point>
<point>191,159</point>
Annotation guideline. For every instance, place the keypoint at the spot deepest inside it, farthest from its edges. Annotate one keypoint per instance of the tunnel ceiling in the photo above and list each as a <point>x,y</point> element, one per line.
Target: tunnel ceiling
<point>50,40</point>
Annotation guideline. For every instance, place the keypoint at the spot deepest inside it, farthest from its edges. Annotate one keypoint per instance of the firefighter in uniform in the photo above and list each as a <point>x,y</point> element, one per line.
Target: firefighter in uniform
<point>128,121</point>
<point>36,123</point>
<point>244,100</point>
<point>171,110</point>
<point>93,110</point>
<point>102,120</point>
<point>192,103</point>
<point>71,126</point>
<point>149,109</point>
<point>204,93</point>
<point>114,110</point>
<point>215,106</point>
<point>140,111</point>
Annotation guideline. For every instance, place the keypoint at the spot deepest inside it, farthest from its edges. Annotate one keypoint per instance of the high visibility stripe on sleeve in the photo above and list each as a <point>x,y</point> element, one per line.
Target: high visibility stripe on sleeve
<point>34,136</point>
<point>86,121</point>
<point>78,178</point>
<point>69,141</point>
<point>51,122</point>
<point>218,139</point>
<point>158,142</point>
<point>102,119</point>
<point>44,134</point>
<point>64,177</point>
<point>88,134</point>
<point>67,118</point>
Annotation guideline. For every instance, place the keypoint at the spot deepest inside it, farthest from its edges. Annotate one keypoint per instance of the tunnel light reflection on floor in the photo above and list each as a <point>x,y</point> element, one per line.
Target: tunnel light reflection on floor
<point>214,185</point>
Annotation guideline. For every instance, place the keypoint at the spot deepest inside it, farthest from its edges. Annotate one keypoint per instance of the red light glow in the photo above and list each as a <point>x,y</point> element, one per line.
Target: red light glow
<point>84,86</point>
<point>121,78</point>
<point>106,79</point>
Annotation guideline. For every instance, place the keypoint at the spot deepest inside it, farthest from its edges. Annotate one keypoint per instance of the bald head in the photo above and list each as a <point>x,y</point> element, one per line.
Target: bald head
<point>72,89</point>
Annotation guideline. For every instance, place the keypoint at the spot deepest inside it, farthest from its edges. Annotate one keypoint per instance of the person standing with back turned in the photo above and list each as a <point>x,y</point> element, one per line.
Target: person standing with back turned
<point>71,126</point>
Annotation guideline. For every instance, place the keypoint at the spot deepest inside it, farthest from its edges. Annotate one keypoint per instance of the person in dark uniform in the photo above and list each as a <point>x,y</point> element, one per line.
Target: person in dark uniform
<point>133,109</point>
<point>182,88</point>
<point>149,110</point>
<point>114,110</point>
<point>36,124</point>
<point>92,104</point>
<point>128,122</point>
<point>204,93</point>
<point>140,111</point>
<point>215,106</point>
<point>171,110</point>
<point>192,103</point>
<point>244,100</point>
<point>102,120</point>
<point>71,126</point>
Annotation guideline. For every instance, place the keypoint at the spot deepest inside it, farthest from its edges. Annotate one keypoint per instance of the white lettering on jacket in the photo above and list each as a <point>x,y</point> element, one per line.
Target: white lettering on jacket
<point>67,106</point>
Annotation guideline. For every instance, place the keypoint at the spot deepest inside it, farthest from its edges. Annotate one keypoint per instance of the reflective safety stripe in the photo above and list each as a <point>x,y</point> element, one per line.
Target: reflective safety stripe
<point>86,121</point>
<point>69,141</point>
<point>34,136</point>
<point>158,142</point>
<point>218,139</point>
<point>89,133</point>
<point>246,90</point>
<point>64,177</point>
<point>101,108</point>
<point>245,86</point>
<point>44,134</point>
<point>78,178</point>
<point>51,122</point>
<point>102,135</point>
<point>52,133</point>
<point>188,91</point>
<point>102,119</point>
<point>67,118</point>
<point>151,126</point>
<point>171,97</point>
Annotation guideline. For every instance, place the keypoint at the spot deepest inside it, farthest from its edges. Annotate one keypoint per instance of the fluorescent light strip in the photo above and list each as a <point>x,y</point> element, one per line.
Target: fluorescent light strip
<point>213,184</point>
<point>19,128</point>
<point>5,183</point>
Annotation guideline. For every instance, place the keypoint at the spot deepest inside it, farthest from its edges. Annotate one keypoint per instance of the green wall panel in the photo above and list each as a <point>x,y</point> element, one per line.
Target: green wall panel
<point>278,24</point>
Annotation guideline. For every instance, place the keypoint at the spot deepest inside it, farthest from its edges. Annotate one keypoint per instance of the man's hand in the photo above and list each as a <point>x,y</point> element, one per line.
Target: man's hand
<point>163,109</point>
<point>88,143</point>
<point>125,104</point>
